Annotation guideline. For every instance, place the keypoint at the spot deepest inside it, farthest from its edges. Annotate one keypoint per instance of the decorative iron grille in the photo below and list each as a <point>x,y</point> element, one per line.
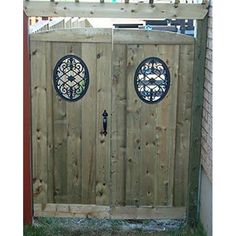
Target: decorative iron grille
<point>152,80</point>
<point>71,78</point>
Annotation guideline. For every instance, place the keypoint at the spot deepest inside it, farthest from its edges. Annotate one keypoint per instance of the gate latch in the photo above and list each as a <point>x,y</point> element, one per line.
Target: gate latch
<point>104,122</point>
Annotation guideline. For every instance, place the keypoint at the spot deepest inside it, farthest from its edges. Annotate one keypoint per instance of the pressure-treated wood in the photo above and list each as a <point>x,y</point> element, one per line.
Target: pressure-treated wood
<point>89,132</point>
<point>118,155</point>
<point>74,141</point>
<point>69,149</point>
<point>27,145</point>
<point>117,10</point>
<point>133,133</point>
<point>86,35</point>
<point>50,130</point>
<point>150,133</point>
<point>139,169</point>
<point>61,140</point>
<point>122,36</point>
<point>39,119</point>
<point>128,212</point>
<point>186,55</point>
<point>103,77</point>
<point>196,117</point>
<point>165,128</point>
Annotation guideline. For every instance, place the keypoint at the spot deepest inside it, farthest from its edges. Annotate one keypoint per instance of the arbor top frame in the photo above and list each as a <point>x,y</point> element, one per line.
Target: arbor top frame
<point>150,10</point>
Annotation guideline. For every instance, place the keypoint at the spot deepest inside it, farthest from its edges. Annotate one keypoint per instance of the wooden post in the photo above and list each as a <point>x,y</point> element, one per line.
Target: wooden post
<point>28,213</point>
<point>196,122</point>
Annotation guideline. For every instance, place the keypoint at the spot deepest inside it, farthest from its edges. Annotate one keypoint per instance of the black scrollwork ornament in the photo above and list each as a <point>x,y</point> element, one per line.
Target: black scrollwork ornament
<point>152,80</point>
<point>71,78</point>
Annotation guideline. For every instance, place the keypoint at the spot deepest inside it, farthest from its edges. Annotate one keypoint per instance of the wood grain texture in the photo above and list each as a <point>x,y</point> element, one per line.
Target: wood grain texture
<point>105,212</point>
<point>133,135</point>
<point>50,130</point>
<point>89,128</point>
<point>128,36</point>
<point>118,10</point>
<point>74,139</point>
<point>60,130</point>
<point>39,119</point>
<point>158,134</point>
<point>119,94</point>
<point>86,35</point>
<point>27,141</point>
<point>196,118</point>
<point>142,161</point>
<point>183,124</point>
<point>103,142</point>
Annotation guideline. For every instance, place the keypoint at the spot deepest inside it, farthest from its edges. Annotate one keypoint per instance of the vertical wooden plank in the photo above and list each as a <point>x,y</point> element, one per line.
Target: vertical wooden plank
<point>74,140</point>
<point>89,131</point>
<point>118,155</point>
<point>195,133</point>
<point>39,121</point>
<point>183,124</point>
<point>102,141</point>
<point>166,129</point>
<point>148,145</point>
<point>27,182</point>
<point>134,53</point>
<point>59,126</point>
<point>50,139</point>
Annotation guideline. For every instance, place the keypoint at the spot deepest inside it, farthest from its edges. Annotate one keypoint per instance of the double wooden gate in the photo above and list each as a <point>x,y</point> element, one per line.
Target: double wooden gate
<point>140,168</point>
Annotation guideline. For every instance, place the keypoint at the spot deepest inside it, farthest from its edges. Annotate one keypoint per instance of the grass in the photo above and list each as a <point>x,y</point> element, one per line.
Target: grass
<point>46,226</point>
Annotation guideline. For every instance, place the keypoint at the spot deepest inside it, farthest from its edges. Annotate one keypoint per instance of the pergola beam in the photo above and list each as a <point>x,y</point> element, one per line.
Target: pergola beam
<point>116,10</point>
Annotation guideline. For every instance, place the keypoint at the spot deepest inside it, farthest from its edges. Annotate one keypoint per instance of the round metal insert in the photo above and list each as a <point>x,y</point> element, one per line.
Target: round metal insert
<point>152,80</point>
<point>71,78</point>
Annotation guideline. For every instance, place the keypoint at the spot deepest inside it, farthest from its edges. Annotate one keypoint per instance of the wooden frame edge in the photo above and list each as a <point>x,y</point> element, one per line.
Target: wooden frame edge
<point>196,123</point>
<point>27,180</point>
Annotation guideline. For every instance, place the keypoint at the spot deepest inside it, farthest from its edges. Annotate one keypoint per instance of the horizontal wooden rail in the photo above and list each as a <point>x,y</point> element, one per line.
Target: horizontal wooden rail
<point>106,212</point>
<point>117,10</point>
<point>87,35</point>
<point>91,35</point>
<point>150,37</point>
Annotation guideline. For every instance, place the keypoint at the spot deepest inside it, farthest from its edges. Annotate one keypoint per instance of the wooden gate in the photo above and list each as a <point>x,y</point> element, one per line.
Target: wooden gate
<point>140,168</point>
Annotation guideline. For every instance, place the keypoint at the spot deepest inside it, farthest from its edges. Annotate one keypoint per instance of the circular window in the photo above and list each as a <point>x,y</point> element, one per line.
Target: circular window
<point>71,78</point>
<point>152,80</point>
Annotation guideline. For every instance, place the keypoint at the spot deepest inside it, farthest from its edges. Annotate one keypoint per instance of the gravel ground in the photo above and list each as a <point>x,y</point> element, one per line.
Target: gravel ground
<point>93,227</point>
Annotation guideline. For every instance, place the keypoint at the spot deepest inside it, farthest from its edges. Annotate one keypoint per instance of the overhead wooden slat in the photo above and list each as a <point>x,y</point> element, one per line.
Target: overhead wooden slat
<point>117,10</point>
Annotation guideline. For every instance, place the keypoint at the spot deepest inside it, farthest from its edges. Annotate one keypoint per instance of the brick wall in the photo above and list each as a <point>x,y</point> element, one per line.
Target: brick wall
<point>206,141</point>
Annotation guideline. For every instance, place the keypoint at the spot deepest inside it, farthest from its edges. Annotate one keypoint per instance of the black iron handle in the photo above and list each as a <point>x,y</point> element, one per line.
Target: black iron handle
<point>104,122</point>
